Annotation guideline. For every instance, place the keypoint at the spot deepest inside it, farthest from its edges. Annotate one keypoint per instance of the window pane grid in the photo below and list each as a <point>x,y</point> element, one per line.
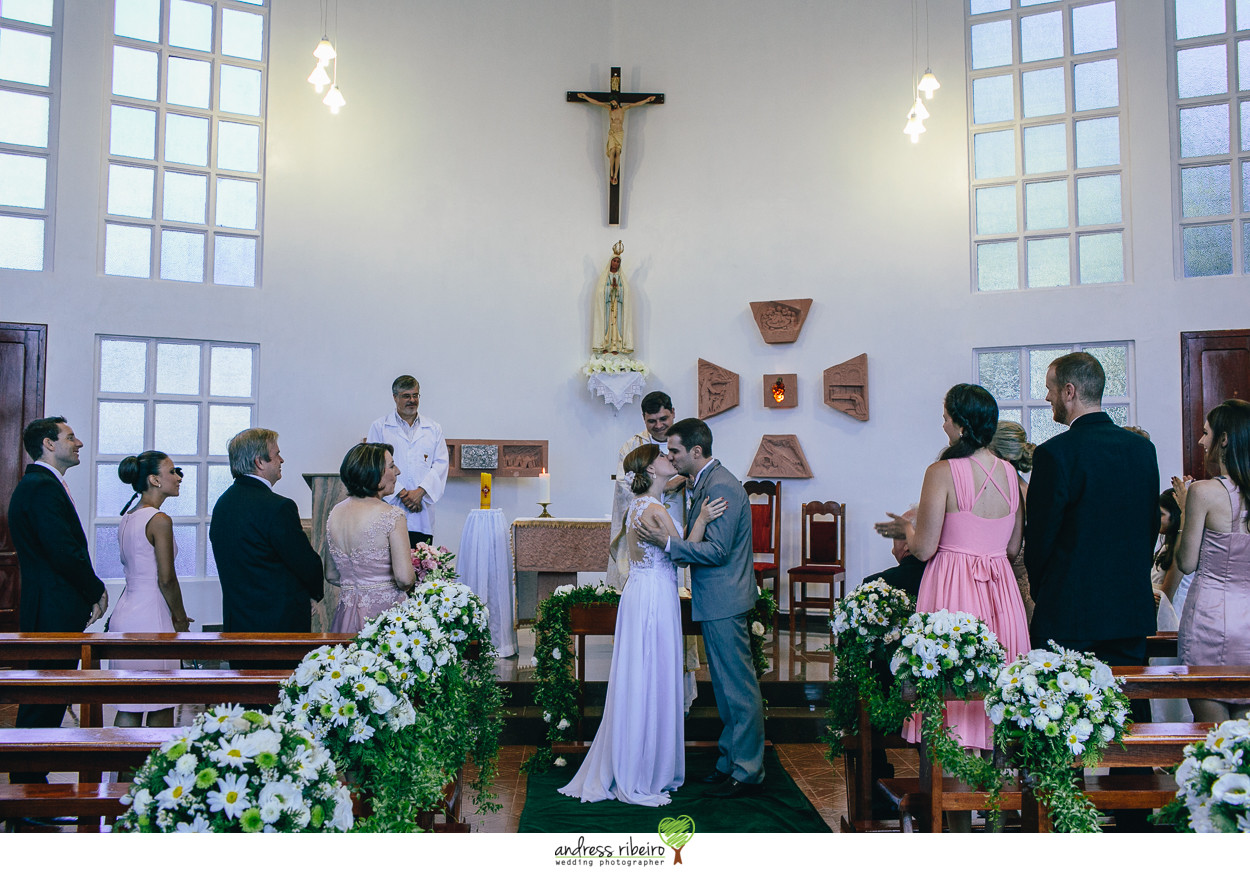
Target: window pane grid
<point>1207,90</point>
<point>1015,375</point>
<point>206,119</point>
<point>30,51</point>
<point>161,393</point>
<point>1041,129</point>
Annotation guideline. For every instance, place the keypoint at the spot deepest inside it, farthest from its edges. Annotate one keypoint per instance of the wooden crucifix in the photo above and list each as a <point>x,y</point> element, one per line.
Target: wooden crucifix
<point>616,103</point>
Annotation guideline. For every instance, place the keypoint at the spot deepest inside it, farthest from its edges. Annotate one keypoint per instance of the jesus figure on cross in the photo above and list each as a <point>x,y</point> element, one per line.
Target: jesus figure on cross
<point>616,130</point>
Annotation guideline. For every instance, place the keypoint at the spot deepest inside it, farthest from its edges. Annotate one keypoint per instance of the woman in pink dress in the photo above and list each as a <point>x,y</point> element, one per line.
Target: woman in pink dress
<point>367,539</point>
<point>152,600</point>
<point>968,528</point>
<point>1215,546</point>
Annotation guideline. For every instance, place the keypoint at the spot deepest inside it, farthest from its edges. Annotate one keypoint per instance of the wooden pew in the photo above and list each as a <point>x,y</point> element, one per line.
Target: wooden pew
<point>925,798</point>
<point>20,649</point>
<point>104,686</point>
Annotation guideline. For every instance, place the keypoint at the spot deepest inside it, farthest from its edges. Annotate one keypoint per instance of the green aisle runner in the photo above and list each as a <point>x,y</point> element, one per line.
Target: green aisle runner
<point>781,808</point>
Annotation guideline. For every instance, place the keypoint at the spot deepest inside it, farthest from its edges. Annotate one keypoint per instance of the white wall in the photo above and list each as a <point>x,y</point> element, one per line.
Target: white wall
<point>451,220</point>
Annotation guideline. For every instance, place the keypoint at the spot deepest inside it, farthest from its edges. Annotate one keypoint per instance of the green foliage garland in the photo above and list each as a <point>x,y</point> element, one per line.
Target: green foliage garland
<point>866,631</point>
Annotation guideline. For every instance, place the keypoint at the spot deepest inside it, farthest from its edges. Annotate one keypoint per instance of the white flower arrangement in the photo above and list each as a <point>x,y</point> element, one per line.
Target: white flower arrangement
<point>460,613</point>
<point>1062,695</point>
<point>613,363</point>
<point>873,610</point>
<point>347,694</point>
<point>1213,782</point>
<point>1049,709</point>
<point>954,646</point>
<point>413,637</point>
<point>235,770</point>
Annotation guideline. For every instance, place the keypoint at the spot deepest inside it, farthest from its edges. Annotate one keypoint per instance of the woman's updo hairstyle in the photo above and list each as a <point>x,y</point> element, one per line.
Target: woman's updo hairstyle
<point>134,471</point>
<point>973,410</point>
<point>636,462</point>
<point>1012,445</point>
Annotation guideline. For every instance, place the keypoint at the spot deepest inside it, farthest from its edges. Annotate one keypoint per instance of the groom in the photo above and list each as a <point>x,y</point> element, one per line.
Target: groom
<point>723,585</point>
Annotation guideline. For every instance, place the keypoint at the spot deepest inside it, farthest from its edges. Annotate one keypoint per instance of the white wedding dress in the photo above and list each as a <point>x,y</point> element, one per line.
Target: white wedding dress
<point>638,754</point>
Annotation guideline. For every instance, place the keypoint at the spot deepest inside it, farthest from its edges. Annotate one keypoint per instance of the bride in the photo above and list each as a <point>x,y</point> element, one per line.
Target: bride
<point>368,540</point>
<point>638,754</point>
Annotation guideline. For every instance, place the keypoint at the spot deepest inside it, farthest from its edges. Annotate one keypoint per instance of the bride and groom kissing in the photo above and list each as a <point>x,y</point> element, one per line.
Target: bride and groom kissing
<point>638,754</point>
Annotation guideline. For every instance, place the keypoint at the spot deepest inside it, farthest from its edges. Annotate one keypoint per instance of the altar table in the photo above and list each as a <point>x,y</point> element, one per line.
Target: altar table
<point>549,552</point>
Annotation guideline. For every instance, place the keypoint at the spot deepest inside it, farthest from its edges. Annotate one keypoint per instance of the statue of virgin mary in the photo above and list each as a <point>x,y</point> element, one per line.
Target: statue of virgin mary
<point>611,328</point>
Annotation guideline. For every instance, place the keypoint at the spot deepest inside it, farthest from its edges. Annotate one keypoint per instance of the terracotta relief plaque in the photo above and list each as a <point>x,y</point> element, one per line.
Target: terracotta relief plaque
<point>718,389</point>
<point>846,387</point>
<point>780,320</point>
<point>781,391</point>
<point>505,458</point>
<point>780,457</point>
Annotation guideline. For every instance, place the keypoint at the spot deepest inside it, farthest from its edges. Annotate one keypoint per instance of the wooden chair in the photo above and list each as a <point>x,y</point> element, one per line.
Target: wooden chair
<point>822,560</point>
<point>766,538</point>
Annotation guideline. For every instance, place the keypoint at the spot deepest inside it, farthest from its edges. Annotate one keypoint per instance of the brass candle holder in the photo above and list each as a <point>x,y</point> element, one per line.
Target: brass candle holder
<point>545,513</point>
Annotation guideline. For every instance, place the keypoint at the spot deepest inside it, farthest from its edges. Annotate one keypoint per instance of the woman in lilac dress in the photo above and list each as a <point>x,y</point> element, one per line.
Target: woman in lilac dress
<point>367,539</point>
<point>1215,546</point>
<point>152,600</point>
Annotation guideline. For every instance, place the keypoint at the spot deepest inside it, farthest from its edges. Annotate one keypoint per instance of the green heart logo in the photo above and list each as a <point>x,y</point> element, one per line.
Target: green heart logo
<point>676,832</point>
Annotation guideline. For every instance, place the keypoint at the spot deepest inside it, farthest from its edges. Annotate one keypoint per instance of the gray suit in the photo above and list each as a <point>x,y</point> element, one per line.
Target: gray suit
<point>723,586</point>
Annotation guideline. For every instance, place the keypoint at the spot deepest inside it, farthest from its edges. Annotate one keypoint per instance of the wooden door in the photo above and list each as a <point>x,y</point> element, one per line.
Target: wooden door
<point>23,353</point>
<point>1215,366</point>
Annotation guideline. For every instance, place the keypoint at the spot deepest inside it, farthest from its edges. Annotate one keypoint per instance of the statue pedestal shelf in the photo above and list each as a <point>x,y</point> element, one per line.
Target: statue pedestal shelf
<point>617,388</point>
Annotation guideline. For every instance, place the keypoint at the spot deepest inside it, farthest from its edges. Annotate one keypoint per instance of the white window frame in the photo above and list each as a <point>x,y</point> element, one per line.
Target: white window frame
<point>1075,231</point>
<point>202,459</point>
<point>1026,403</point>
<point>51,152</point>
<point>157,222</point>
<point>1239,217</point>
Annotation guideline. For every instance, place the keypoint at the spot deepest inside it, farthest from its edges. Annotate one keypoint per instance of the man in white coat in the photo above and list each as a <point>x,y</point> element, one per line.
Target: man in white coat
<point>420,453</point>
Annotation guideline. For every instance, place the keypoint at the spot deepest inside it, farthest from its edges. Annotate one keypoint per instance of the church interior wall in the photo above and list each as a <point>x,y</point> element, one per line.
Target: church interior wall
<point>451,221</point>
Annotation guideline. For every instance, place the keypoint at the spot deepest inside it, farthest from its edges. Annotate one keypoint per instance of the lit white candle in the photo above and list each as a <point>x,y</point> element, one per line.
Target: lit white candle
<point>544,487</point>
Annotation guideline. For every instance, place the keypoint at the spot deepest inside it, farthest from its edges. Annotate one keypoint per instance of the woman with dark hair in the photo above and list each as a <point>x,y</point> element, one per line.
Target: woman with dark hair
<point>367,538</point>
<point>639,752</point>
<point>1215,545</point>
<point>968,528</point>
<point>152,600</point>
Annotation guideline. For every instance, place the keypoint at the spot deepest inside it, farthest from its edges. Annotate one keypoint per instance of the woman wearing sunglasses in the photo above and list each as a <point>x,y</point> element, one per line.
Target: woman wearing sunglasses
<point>152,600</point>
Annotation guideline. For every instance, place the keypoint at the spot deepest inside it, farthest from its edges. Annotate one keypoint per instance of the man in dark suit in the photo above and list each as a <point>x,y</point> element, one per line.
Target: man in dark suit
<point>723,589</point>
<point>906,576</point>
<point>60,591</point>
<point>1091,523</point>
<point>269,571</point>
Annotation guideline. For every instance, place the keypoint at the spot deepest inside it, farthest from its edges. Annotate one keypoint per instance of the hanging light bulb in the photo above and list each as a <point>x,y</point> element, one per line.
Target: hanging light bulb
<point>324,52</point>
<point>914,126</point>
<point>319,78</point>
<point>928,84</point>
<point>919,110</point>
<point>334,99</point>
